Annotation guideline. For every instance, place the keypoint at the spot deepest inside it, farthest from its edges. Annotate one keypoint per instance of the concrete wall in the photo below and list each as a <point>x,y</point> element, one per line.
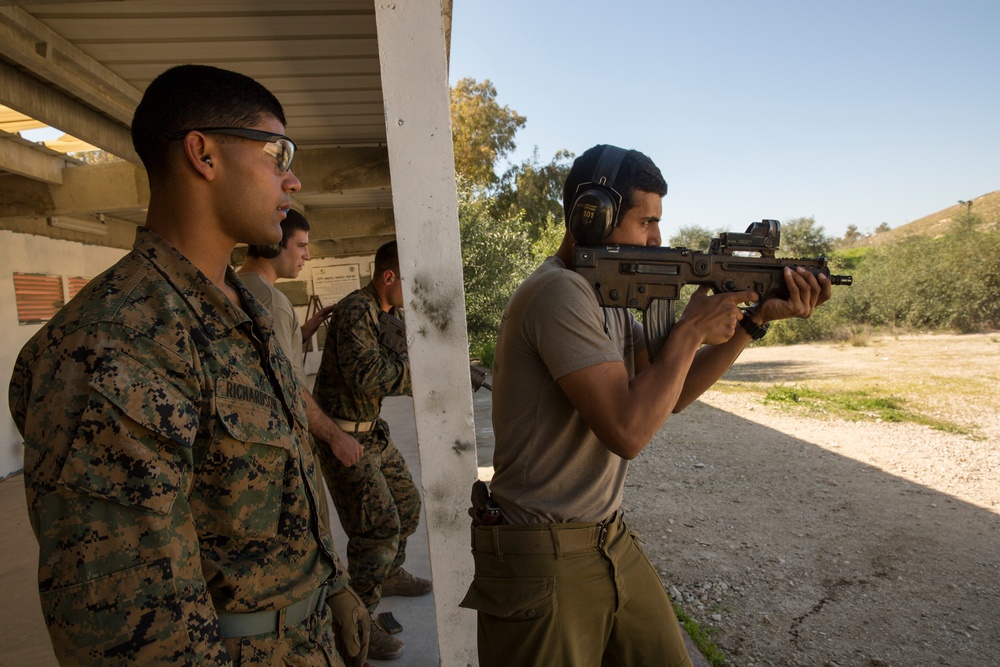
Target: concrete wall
<point>28,253</point>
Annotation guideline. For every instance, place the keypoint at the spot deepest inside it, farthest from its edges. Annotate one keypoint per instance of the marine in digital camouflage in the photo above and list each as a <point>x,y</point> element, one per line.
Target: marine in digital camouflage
<point>376,499</point>
<point>167,473</point>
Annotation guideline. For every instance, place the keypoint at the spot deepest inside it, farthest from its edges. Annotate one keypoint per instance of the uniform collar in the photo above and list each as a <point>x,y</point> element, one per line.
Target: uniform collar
<point>212,308</point>
<point>370,291</point>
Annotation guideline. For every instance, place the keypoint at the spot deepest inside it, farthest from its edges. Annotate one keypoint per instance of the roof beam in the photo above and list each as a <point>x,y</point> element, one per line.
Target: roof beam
<point>106,188</point>
<point>344,168</point>
<point>350,247</point>
<point>34,98</point>
<point>341,224</point>
<point>30,43</point>
<point>26,161</point>
<point>102,188</point>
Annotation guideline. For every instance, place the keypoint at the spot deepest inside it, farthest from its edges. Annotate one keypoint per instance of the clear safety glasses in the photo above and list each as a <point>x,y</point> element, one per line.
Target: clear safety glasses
<point>278,146</point>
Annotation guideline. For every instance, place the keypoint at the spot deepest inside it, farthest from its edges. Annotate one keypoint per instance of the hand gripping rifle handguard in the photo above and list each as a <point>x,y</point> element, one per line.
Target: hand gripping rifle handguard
<point>650,279</point>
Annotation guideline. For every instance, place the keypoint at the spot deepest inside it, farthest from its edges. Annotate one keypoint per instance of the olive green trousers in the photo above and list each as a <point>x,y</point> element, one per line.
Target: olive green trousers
<point>577,594</point>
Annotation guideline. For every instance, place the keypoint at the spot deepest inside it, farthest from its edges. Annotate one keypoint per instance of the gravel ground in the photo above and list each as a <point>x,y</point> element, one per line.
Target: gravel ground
<point>812,541</point>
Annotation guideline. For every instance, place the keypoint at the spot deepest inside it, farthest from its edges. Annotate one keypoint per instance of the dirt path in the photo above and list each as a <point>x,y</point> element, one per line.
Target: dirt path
<point>822,542</point>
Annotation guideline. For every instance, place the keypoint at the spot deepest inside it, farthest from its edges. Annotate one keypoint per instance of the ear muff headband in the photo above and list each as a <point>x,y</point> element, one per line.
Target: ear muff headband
<point>596,204</point>
<point>269,251</point>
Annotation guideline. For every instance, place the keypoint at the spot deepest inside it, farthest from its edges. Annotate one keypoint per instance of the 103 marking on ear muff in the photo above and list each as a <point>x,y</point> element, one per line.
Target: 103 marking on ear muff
<point>596,205</point>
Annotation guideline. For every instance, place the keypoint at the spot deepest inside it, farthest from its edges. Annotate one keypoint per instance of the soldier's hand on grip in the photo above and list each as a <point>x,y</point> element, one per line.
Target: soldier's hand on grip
<point>714,316</point>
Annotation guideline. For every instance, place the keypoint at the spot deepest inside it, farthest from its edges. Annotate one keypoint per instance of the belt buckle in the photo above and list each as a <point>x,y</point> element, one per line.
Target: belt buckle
<point>602,536</point>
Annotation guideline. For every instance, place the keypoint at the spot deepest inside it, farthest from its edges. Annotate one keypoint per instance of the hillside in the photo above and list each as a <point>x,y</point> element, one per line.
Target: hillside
<point>987,207</point>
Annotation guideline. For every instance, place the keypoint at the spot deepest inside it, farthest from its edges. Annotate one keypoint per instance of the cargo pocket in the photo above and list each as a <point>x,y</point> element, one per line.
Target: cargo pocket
<point>128,617</point>
<point>133,438</point>
<point>512,599</point>
<point>241,478</point>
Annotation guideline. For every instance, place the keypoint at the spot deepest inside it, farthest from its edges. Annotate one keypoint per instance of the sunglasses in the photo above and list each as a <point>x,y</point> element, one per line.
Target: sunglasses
<point>278,146</point>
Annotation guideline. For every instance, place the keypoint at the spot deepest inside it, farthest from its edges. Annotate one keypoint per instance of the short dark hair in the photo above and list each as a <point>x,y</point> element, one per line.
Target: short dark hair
<point>636,173</point>
<point>387,257</point>
<point>293,222</point>
<point>186,97</point>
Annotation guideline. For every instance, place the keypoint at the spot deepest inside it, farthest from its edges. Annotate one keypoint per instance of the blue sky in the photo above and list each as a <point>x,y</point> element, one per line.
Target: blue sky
<point>851,112</point>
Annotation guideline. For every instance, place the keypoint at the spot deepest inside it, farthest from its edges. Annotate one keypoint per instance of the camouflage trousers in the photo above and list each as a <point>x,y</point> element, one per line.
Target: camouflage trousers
<point>379,508</point>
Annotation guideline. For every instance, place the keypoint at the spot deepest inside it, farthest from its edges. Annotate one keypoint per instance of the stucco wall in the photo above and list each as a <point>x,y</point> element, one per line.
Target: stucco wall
<point>28,253</point>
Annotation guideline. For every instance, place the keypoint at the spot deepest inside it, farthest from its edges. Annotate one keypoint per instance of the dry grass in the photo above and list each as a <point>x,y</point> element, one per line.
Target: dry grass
<point>948,382</point>
<point>986,207</point>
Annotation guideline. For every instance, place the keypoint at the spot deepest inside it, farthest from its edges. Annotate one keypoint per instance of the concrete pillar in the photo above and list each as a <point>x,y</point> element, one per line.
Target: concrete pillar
<point>421,161</point>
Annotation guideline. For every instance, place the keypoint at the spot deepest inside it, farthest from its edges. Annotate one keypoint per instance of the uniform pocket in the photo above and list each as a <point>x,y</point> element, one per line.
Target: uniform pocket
<point>129,617</point>
<point>512,599</point>
<point>147,398</point>
<point>241,477</point>
<point>133,439</point>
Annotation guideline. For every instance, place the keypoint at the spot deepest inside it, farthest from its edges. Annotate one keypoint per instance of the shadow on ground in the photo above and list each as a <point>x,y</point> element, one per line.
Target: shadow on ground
<point>796,555</point>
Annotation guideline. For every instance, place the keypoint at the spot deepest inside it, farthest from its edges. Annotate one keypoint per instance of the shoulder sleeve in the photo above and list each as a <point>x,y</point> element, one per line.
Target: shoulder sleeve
<point>567,327</point>
<point>110,420</point>
<point>372,368</point>
<point>288,335</point>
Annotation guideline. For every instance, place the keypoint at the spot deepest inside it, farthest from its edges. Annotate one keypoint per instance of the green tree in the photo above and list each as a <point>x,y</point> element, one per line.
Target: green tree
<point>482,131</point>
<point>535,188</point>
<point>802,237</point>
<point>966,221</point>
<point>693,237</point>
<point>851,236</point>
<point>497,254</point>
<point>884,227</point>
<point>894,286</point>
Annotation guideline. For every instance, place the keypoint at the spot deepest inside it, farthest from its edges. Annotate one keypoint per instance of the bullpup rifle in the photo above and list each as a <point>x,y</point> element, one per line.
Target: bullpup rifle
<point>650,279</point>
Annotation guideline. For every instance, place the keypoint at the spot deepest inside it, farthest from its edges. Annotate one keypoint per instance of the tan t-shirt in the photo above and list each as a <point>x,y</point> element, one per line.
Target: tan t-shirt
<point>549,467</point>
<point>287,330</point>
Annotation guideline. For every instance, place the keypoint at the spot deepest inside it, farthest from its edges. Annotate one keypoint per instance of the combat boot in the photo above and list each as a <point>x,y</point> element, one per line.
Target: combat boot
<point>382,645</point>
<point>401,582</point>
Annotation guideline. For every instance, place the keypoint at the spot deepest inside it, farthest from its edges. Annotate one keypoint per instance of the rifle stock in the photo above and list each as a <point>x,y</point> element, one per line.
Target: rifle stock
<point>650,279</point>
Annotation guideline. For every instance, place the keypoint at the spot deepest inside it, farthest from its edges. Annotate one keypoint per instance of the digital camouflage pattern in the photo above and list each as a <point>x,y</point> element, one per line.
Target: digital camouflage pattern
<point>167,473</point>
<point>356,372</point>
<point>287,336</point>
<point>376,499</point>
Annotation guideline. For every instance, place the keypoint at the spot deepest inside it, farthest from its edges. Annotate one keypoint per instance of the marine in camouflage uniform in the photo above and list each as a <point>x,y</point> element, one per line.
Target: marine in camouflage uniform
<point>167,475</point>
<point>376,499</point>
<point>167,472</point>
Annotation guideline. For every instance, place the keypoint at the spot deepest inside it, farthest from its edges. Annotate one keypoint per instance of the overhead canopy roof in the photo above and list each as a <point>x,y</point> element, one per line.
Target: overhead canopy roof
<point>82,66</point>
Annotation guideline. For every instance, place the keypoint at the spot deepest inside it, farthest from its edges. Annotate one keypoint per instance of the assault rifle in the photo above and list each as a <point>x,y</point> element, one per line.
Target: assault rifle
<point>392,334</point>
<point>650,279</point>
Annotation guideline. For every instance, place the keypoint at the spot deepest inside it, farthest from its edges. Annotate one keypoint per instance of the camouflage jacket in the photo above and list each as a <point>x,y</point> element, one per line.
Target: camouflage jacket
<point>357,372</point>
<point>166,467</point>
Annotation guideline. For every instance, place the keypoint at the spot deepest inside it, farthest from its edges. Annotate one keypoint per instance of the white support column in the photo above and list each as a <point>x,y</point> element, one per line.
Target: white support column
<point>422,165</point>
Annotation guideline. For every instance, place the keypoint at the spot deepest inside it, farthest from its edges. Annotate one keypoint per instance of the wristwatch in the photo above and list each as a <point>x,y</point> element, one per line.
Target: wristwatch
<point>755,330</point>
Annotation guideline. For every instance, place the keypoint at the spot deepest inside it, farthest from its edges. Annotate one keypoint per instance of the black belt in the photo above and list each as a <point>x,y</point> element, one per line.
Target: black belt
<point>261,622</point>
